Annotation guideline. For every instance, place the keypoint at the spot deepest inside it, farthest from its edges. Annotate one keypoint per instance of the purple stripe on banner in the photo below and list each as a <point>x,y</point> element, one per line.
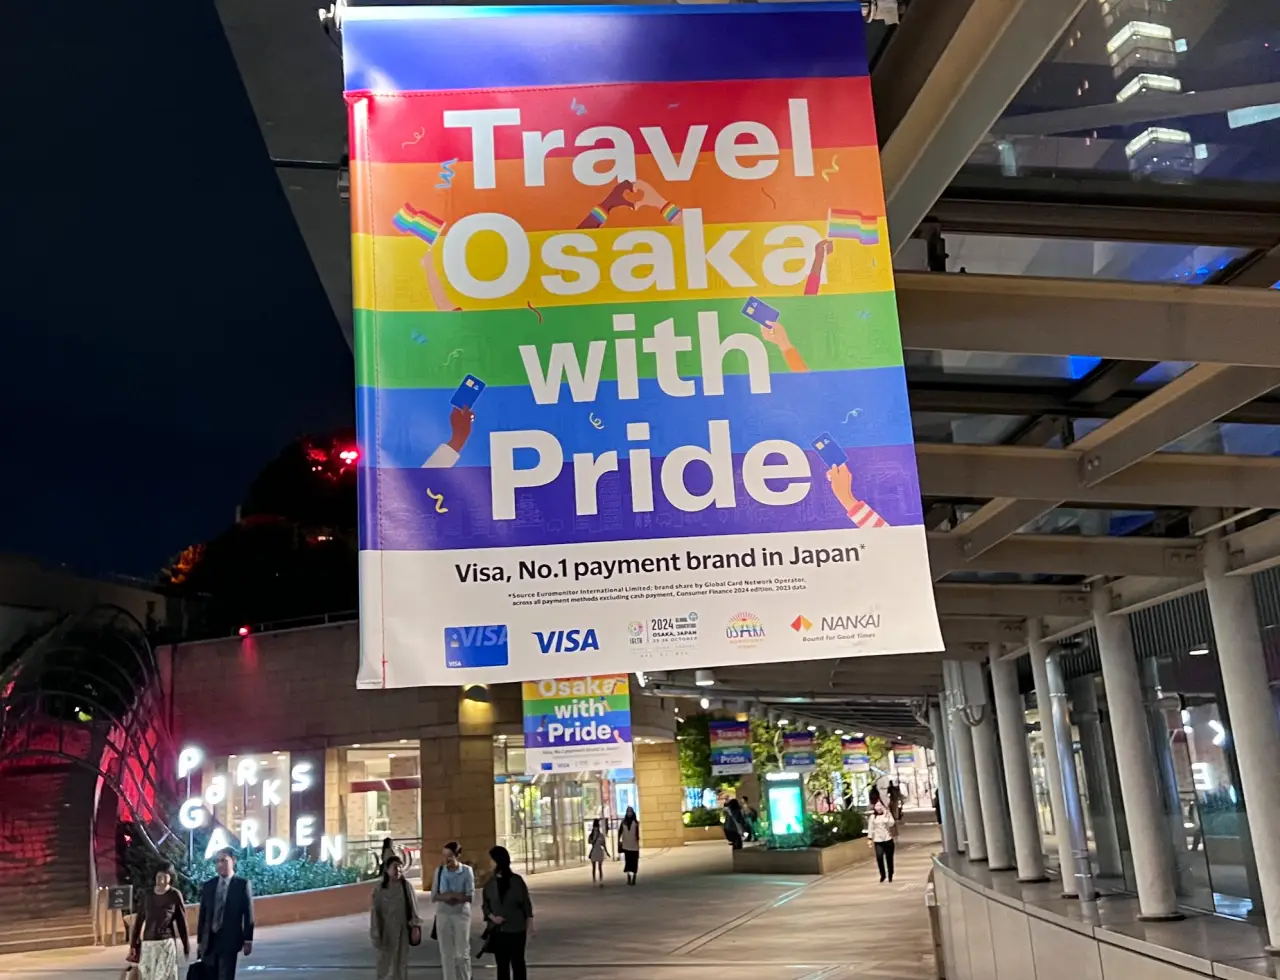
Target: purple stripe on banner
<point>883,476</point>
<point>406,49</point>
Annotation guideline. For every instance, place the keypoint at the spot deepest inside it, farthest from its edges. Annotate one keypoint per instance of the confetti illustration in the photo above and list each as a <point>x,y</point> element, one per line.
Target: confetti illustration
<point>577,107</point>
<point>834,168</point>
<point>452,354</point>
<point>417,138</point>
<point>770,197</point>
<point>439,499</point>
<point>446,174</point>
<point>595,422</point>
<point>853,413</point>
<point>417,338</point>
<point>529,303</point>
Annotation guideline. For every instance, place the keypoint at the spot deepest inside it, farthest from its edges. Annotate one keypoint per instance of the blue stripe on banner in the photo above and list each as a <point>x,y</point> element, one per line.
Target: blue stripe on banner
<point>859,408</point>
<point>404,49</point>
<point>408,518</point>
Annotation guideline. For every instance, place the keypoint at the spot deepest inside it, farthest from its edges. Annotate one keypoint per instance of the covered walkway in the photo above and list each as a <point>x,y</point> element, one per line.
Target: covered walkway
<point>688,916</point>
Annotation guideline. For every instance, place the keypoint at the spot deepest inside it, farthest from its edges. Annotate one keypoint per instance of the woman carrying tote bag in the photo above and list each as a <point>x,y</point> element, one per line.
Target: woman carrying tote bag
<point>394,923</point>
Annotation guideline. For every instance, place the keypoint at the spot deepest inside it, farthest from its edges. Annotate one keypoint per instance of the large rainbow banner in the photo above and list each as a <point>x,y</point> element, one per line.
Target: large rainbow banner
<point>631,392</point>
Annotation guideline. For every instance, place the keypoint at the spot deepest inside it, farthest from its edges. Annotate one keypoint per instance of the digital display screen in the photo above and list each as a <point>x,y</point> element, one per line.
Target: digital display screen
<point>786,809</point>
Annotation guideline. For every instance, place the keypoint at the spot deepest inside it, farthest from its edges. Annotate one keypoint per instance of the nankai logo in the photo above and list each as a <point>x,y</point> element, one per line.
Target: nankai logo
<point>567,641</point>
<point>801,625</point>
<point>861,621</point>
<point>475,646</point>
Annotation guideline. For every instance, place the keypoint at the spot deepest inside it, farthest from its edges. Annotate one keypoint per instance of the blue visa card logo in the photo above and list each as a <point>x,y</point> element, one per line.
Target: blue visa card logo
<point>475,646</point>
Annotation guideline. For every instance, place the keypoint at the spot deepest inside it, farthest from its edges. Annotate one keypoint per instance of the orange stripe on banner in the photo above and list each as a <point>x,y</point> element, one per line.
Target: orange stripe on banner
<point>848,178</point>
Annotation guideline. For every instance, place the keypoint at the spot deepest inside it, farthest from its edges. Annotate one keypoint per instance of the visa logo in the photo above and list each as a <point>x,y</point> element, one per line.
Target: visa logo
<point>475,646</point>
<point>567,641</point>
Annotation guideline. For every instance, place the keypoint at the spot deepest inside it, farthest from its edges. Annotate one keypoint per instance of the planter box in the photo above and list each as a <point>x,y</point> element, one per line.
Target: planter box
<point>318,903</point>
<point>802,861</point>
<point>694,835</point>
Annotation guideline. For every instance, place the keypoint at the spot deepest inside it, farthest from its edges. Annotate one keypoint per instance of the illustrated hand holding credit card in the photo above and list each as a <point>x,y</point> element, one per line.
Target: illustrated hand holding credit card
<point>467,393</point>
<point>761,312</point>
<point>829,450</point>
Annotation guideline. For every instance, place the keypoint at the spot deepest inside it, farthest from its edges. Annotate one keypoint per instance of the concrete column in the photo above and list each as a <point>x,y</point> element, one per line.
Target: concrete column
<point>1084,698</point>
<point>986,757</point>
<point>1039,652</point>
<point>660,794</point>
<point>1139,785</point>
<point>957,797</point>
<point>1061,710</point>
<point>1012,720</point>
<point>970,796</point>
<point>1252,717</point>
<point>946,801</point>
<point>459,803</point>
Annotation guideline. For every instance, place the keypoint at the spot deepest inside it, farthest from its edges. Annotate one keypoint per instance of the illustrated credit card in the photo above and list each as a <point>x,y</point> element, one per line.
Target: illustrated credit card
<point>760,311</point>
<point>467,392</point>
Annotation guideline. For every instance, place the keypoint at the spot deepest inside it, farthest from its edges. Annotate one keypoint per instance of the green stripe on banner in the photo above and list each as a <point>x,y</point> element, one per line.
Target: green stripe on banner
<point>616,702</point>
<point>434,350</point>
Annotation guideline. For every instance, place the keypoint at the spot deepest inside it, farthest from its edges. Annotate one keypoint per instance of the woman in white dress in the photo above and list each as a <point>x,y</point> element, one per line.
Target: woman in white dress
<point>599,851</point>
<point>160,924</point>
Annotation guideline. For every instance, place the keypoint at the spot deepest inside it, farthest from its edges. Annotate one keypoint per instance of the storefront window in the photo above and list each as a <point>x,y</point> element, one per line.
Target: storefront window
<point>383,798</point>
<point>254,793</point>
<point>544,819</point>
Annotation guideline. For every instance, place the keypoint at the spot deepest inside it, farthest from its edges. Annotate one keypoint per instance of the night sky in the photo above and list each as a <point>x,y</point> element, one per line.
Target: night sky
<point>163,332</point>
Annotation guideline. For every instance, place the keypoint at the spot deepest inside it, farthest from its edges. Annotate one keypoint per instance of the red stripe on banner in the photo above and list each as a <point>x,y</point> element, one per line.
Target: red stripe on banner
<point>408,127</point>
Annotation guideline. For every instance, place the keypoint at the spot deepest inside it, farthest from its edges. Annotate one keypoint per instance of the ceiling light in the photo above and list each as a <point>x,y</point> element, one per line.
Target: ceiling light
<point>356,745</point>
<point>391,755</point>
<point>705,704</point>
<point>404,741</point>
<point>839,731</point>
<point>704,678</point>
<point>857,734</point>
<point>1199,652</point>
<point>783,721</point>
<point>640,678</point>
<point>813,728</point>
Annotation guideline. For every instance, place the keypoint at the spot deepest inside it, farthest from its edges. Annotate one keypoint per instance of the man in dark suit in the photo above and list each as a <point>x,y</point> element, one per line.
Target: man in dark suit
<point>226,920</point>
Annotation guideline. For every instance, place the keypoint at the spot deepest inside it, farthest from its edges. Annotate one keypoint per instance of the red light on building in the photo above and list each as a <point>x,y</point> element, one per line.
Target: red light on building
<point>349,456</point>
<point>244,631</point>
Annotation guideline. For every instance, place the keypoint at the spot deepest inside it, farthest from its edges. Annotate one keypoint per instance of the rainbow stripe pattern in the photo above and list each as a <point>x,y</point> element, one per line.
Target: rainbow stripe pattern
<point>853,226</point>
<point>423,224</point>
<point>555,291</point>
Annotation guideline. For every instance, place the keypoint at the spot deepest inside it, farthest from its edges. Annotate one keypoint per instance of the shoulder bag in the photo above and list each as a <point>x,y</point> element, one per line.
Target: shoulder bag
<point>435,890</point>
<point>415,931</point>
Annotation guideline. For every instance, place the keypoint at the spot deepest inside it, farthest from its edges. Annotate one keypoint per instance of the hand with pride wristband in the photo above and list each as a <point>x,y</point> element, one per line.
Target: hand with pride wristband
<point>617,198</point>
<point>841,480</point>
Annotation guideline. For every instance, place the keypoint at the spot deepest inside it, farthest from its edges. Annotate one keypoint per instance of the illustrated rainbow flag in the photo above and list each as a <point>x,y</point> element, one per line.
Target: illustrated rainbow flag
<point>420,223</point>
<point>853,225</point>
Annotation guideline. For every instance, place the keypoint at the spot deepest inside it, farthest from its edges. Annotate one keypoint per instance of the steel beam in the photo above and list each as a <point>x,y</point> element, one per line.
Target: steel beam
<point>995,49</point>
<point>1059,317</point>
<point>1201,395</point>
<point>1162,480</point>
<point>982,599</point>
<point>965,630</point>
<point>1054,554</point>
<point>1122,211</point>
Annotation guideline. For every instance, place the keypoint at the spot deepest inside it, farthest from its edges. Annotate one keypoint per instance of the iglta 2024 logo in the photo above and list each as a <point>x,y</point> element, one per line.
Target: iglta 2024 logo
<point>475,646</point>
<point>567,641</point>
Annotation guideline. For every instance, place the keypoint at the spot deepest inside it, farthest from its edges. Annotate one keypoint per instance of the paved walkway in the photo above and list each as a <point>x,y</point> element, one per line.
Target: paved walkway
<point>687,915</point>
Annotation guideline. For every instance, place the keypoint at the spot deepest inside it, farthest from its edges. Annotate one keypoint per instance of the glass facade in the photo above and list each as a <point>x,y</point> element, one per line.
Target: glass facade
<point>381,789</point>
<point>544,819</point>
<point>1190,748</point>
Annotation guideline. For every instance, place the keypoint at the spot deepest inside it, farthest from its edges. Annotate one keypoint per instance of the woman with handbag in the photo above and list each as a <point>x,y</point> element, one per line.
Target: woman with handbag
<point>508,917</point>
<point>394,923</point>
<point>882,829</point>
<point>452,890</point>
<point>160,924</point>
<point>629,844</point>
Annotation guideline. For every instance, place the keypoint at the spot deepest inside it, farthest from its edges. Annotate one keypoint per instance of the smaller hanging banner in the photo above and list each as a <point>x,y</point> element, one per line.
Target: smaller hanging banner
<point>797,752</point>
<point>904,756</point>
<point>573,724</point>
<point>856,758</point>
<point>730,748</point>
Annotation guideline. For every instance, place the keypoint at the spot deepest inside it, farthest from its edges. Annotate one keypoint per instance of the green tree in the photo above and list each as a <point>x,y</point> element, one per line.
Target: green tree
<point>693,740</point>
<point>829,754</point>
<point>878,751</point>
<point>766,746</point>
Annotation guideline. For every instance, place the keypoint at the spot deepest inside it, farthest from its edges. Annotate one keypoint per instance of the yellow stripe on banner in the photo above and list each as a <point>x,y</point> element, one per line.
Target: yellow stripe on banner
<point>626,264</point>
<point>592,685</point>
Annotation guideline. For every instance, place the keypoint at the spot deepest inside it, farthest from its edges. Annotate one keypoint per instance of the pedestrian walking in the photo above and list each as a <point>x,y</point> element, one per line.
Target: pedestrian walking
<point>225,927</point>
<point>735,829</point>
<point>388,852</point>
<point>393,919</point>
<point>598,843</point>
<point>629,844</point>
<point>161,923</point>
<point>883,830</point>
<point>508,914</point>
<point>452,891</point>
